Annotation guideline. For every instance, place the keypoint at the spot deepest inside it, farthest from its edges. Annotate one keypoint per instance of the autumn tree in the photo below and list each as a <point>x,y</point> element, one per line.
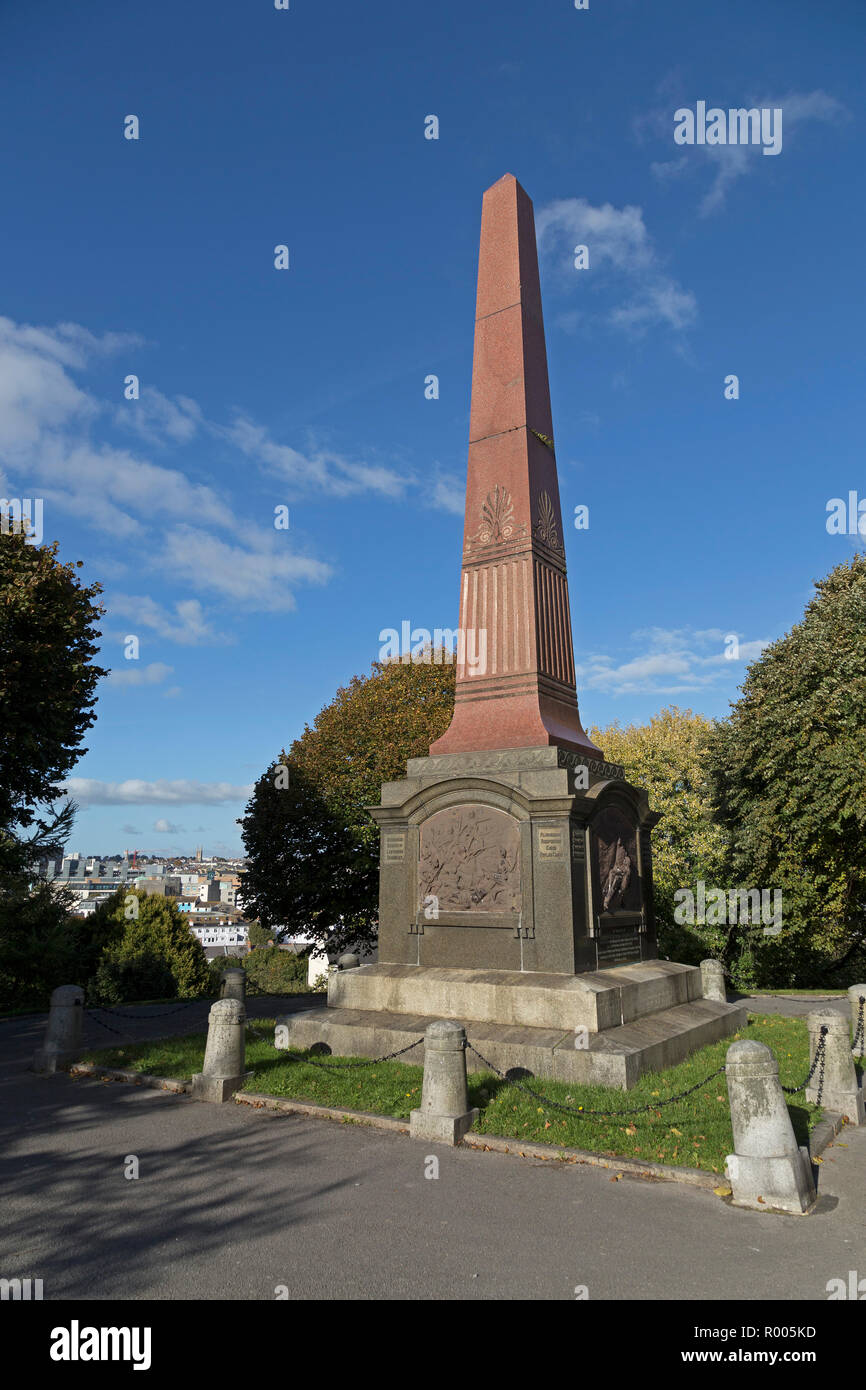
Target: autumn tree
<point>667,756</point>
<point>312,847</point>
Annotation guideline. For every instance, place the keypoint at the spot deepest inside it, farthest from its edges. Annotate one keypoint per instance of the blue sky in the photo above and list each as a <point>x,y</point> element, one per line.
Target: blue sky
<point>305,387</point>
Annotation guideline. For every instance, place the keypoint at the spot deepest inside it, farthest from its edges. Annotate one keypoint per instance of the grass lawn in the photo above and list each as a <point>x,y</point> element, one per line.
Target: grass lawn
<point>799,993</point>
<point>695,1131</point>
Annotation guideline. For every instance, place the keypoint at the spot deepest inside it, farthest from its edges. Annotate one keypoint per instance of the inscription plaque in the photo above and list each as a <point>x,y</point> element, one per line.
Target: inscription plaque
<point>618,945</point>
<point>549,842</point>
<point>394,849</point>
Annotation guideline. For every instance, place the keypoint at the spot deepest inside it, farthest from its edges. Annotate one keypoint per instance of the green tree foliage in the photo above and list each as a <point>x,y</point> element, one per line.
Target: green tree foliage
<point>312,846</point>
<point>667,758</point>
<point>272,971</point>
<point>788,781</point>
<point>151,955</point>
<point>308,870</point>
<point>47,676</point>
<point>47,682</point>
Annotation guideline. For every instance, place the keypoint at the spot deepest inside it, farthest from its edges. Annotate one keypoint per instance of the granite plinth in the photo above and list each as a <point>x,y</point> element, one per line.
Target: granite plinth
<point>615,1056</point>
<point>595,1001</point>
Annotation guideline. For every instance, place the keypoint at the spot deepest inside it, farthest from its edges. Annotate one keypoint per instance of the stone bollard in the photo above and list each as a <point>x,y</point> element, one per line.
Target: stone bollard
<point>713,980</point>
<point>64,1031</point>
<point>840,1093</point>
<point>348,962</point>
<point>444,1115</point>
<point>233,984</point>
<point>855,994</point>
<point>767,1169</point>
<point>223,1072</point>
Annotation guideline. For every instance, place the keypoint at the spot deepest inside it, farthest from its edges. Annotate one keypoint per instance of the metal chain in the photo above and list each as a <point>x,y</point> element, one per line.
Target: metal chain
<point>818,1061</point>
<point>335,1066</point>
<point>860,1034</point>
<point>118,1033</point>
<point>579,1110</point>
<point>164,1013</point>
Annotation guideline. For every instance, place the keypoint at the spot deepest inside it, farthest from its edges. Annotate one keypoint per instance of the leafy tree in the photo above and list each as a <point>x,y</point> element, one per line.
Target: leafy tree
<point>667,758</point>
<point>307,869</point>
<point>371,727</point>
<point>152,953</point>
<point>312,846</point>
<point>47,681</point>
<point>47,676</point>
<point>788,783</point>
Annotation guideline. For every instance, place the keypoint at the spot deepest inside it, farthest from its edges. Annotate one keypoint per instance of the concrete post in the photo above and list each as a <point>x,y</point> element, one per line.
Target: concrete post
<point>840,1093</point>
<point>855,994</point>
<point>713,980</point>
<point>444,1115</point>
<point>767,1169</point>
<point>64,1031</point>
<point>224,1055</point>
<point>233,984</point>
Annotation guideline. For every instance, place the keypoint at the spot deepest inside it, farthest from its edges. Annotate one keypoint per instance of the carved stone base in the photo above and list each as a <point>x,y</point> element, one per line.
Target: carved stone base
<point>532,859</point>
<point>614,1058</point>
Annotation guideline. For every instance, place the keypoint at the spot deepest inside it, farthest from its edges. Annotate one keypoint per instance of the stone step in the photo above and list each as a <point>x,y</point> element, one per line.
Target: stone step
<point>616,1057</point>
<point>597,1000</point>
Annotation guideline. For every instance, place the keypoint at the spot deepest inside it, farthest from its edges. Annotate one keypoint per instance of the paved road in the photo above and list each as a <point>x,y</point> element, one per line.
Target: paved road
<point>233,1202</point>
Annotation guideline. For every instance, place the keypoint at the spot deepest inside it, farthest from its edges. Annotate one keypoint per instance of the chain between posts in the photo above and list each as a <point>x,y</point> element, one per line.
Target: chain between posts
<point>860,1034</point>
<point>580,1111</point>
<point>164,1013</point>
<point>334,1066</point>
<point>819,1060</point>
<point>818,1063</point>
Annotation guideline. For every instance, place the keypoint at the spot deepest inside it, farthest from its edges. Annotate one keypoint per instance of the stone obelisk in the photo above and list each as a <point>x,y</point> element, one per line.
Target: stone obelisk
<point>515,879</point>
<point>515,673</point>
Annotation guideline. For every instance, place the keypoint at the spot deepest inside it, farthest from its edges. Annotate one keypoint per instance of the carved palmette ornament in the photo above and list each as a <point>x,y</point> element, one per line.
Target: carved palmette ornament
<point>497,517</point>
<point>546,529</point>
<point>497,521</point>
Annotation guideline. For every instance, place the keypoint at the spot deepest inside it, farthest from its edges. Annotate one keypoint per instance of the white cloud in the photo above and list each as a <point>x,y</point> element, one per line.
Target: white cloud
<point>89,791</point>
<point>449,495</point>
<point>165,827</point>
<point>671,661</point>
<point>730,163</point>
<point>257,575</point>
<point>158,418</point>
<point>186,624</point>
<point>319,471</point>
<point>622,249</point>
<point>153,674</point>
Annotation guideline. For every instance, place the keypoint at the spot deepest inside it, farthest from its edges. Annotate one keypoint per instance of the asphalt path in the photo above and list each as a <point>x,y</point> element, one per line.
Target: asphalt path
<point>233,1203</point>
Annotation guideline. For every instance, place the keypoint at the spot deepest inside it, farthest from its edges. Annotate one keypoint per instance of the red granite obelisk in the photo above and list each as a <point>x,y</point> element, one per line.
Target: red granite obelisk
<point>515,681</point>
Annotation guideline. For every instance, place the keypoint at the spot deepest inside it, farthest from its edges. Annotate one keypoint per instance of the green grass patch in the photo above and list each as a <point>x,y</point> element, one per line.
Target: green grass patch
<point>799,993</point>
<point>694,1131</point>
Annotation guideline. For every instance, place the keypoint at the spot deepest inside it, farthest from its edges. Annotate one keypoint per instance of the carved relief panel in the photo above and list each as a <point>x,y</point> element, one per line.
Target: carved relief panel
<point>470,860</point>
<point>616,885</point>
